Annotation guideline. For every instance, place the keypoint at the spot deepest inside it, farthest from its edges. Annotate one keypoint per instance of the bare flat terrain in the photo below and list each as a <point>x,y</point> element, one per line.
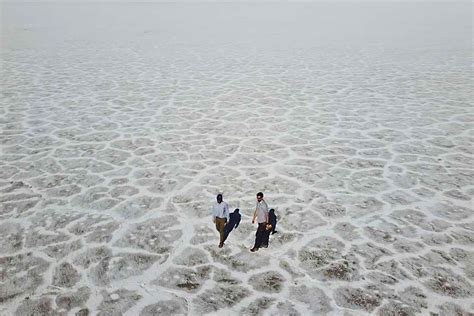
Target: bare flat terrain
<point>121,122</point>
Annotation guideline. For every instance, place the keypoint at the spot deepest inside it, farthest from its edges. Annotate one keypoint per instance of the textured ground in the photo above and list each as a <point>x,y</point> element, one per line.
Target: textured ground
<point>121,122</point>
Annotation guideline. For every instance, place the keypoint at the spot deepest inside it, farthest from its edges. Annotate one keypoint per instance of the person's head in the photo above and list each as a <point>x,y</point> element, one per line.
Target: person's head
<point>272,210</point>
<point>236,210</point>
<point>259,196</point>
<point>219,198</point>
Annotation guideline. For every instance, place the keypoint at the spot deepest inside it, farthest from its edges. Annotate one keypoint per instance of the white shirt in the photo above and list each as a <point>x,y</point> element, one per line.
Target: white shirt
<point>220,210</point>
<point>262,211</point>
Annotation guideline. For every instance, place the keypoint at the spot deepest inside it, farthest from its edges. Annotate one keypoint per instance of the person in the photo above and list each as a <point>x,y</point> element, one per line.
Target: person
<point>261,214</point>
<point>272,219</point>
<point>234,222</point>
<point>220,216</point>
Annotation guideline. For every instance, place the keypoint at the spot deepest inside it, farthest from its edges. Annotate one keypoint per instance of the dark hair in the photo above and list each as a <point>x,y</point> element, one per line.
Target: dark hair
<point>219,196</point>
<point>260,194</point>
<point>271,210</point>
<point>236,210</point>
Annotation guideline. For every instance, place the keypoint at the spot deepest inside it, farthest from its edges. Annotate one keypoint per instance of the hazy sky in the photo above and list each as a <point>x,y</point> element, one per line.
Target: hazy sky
<point>151,1</point>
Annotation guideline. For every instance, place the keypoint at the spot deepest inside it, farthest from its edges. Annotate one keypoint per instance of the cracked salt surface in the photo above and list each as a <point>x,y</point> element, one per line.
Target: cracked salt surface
<point>356,120</point>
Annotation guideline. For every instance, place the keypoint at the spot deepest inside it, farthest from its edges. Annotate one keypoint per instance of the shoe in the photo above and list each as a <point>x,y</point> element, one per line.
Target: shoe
<point>253,249</point>
<point>221,245</point>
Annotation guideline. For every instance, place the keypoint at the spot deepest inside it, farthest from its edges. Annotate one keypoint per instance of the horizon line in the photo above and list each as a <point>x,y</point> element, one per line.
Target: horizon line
<point>235,1</point>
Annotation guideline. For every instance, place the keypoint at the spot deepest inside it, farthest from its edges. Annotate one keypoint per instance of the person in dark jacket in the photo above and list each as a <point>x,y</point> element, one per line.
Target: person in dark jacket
<point>272,219</point>
<point>234,222</point>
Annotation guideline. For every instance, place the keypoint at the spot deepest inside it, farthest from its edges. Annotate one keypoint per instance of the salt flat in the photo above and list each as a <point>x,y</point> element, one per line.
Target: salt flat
<point>120,123</point>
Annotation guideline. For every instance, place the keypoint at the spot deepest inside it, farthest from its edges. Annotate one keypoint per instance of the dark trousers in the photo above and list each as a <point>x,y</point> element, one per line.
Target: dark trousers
<point>260,235</point>
<point>266,237</point>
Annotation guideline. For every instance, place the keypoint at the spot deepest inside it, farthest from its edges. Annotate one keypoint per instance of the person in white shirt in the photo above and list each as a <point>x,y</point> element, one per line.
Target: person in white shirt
<point>220,216</point>
<point>261,214</point>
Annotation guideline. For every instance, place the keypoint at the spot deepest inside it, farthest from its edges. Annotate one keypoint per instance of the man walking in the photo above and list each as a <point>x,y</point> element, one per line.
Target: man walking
<point>220,216</point>
<point>261,214</point>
